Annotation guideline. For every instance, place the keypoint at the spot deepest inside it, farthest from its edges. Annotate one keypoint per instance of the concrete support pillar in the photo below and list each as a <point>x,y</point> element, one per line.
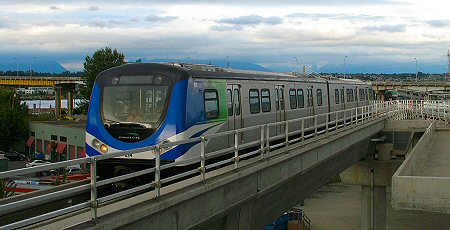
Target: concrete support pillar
<point>70,102</point>
<point>58,102</point>
<point>373,208</point>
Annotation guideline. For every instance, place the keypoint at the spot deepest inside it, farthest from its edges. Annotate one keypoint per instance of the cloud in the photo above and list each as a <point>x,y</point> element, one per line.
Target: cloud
<point>353,17</point>
<point>54,8</point>
<point>386,28</point>
<point>94,8</point>
<point>222,28</point>
<point>251,20</point>
<point>438,23</point>
<point>6,22</point>
<point>157,18</point>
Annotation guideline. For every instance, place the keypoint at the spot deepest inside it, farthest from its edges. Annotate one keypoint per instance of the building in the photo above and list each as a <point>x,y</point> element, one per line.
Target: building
<point>67,136</point>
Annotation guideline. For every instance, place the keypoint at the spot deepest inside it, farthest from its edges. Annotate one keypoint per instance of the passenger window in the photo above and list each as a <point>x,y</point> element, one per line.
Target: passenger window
<point>293,98</point>
<point>348,95</point>
<point>342,96</point>
<point>211,99</point>
<point>336,96</point>
<point>282,99</point>
<point>265,100</point>
<point>356,95</point>
<point>237,102</point>
<point>254,101</point>
<point>366,95</point>
<point>229,103</point>
<point>277,100</point>
<point>301,98</point>
<point>351,95</point>
<point>319,97</point>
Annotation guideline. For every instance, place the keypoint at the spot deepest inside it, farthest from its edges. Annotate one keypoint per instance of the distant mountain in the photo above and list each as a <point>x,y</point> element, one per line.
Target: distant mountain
<point>37,65</point>
<point>375,67</point>
<point>217,62</point>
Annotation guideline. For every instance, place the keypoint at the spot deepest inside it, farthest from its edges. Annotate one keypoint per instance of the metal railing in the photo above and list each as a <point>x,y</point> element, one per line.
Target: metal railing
<point>301,130</point>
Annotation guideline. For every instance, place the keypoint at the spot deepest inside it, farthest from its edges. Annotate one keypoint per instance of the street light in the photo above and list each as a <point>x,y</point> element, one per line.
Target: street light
<point>416,69</point>
<point>31,65</point>
<point>297,62</point>
<point>345,69</point>
<point>17,66</point>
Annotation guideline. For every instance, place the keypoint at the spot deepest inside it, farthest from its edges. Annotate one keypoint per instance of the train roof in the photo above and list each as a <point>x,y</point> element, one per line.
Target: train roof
<point>215,72</point>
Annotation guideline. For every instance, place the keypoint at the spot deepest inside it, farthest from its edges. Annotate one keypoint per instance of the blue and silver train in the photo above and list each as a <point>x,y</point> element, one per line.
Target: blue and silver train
<point>143,104</point>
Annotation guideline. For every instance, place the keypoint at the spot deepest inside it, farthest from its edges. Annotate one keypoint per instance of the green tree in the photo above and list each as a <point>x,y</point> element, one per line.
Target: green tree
<point>13,122</point>
<point>101,60</point>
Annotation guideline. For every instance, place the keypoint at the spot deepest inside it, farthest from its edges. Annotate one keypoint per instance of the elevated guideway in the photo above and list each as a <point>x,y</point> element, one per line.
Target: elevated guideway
<point>422,182</point>
<point>246,190</point>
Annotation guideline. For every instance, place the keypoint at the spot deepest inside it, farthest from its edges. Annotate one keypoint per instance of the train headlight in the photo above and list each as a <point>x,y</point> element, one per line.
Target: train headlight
<point>103,148</point>
<point>95,143</point>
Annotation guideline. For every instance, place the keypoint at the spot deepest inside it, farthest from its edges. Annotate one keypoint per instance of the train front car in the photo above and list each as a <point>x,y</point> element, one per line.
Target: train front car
<point>134,106</point>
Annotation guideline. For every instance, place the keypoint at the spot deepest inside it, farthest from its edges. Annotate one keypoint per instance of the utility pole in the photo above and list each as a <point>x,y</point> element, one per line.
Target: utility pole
<point>31,65</point>
<point>345,68</point>
<point>416,70</point>
<point>297,63</point>
<point>448,67</point>
<point>17,67</point>
<point>228,62</point>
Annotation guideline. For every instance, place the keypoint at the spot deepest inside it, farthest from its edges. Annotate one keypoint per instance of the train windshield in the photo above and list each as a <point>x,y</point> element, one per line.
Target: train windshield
<point>134,102</point>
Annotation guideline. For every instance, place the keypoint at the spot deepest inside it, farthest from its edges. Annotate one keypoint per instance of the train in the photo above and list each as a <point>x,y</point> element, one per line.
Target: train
<point>145,104</point>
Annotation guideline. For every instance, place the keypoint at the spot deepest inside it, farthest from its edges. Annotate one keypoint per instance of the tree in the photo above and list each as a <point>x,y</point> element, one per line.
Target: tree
<point>102,59</point>
<point>13,122</point>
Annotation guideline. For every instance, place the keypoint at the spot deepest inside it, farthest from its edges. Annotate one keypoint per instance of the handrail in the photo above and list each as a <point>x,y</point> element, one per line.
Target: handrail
<point>295,130</point>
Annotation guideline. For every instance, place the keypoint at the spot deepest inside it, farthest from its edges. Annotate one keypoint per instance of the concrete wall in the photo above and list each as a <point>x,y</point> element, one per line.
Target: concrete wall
<point>420,192</point>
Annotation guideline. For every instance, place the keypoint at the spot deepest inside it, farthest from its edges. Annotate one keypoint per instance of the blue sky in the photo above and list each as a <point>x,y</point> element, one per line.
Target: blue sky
<point>373,34</point>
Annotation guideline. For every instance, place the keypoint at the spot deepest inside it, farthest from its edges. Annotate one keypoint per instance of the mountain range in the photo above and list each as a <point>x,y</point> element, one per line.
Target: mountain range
<point>52,66</point>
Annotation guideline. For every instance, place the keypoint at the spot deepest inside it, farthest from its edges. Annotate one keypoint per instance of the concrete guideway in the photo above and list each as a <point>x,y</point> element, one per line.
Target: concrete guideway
<point>246,194</point>
<point>422,182</point>
<point>245,199</point>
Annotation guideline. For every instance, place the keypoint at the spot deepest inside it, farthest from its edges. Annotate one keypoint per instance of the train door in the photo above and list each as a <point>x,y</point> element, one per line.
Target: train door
<point>343,99</point>
<point>280,107</point>
<point>358,96</point>
<point>234,110</point>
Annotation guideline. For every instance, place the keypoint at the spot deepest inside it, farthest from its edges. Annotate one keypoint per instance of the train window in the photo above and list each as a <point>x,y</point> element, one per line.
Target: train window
<point>293,98</point>
<point>336,96</point>
<point>348,95</point>
<point>265,100</point>
<point>237,102</point>
<point>367,95</point>
<point>319,97</point>
<point>281,98</point>
<point>356,95</point>
<point>342,96</point>
<point>308,101</point>
<point>211,100</point>
<point>300,98</point>
<point>351,95</point>
<point>277,100</point>
<point>254,101</point>
<point>229,103</point>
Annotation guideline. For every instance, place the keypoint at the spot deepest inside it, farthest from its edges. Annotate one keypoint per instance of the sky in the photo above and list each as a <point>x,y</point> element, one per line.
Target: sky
<point>373,34</point>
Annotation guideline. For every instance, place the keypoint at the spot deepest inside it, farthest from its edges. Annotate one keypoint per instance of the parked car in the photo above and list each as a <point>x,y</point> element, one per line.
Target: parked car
<point>14,156</point>
<point>36,163</point>
<point>72,169</point>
